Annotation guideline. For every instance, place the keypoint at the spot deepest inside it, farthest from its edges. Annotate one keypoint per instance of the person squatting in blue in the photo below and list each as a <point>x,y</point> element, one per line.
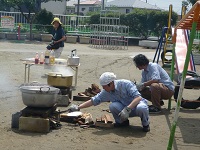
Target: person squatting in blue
<point>125,100</point>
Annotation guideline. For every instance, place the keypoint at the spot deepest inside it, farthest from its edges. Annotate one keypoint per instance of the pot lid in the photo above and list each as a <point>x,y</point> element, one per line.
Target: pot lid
<point>60,74</point>
<point>39,89</point>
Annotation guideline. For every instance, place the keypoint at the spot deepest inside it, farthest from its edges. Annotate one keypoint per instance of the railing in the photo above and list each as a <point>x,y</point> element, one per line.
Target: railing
<point>71,23</point>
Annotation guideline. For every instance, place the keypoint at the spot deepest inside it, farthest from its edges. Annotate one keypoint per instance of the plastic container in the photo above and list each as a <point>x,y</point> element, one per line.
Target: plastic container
<point>36,58</point>
<point>52,57</point>
<point>41,58</point>
<point>46,57</point>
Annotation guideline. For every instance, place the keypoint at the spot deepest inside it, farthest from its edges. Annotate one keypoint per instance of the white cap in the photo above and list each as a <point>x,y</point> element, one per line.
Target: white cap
<point>106,78</point>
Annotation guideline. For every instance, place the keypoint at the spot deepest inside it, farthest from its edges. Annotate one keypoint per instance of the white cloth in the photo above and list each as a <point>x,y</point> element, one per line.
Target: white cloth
<point>106,78</point>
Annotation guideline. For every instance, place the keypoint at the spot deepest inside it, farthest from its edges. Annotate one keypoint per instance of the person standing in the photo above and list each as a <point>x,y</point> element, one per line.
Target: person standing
<point>155,83</point>
<point>58,36</point>
<point>125,100</point>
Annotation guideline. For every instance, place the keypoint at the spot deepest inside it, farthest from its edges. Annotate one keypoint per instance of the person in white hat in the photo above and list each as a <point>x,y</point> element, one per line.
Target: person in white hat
<point>125,100</point>
<point>58,37</point>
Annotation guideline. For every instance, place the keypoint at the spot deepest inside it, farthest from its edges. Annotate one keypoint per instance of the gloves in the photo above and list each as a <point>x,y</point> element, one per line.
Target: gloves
<point>140,86</point>
<point>124,114</point>
<point>73,108</point>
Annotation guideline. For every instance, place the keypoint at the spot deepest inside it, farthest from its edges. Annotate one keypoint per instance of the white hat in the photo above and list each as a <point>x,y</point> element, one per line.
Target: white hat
<point>106,78</point>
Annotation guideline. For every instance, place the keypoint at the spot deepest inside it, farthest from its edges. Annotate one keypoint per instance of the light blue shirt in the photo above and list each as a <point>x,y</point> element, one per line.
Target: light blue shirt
<point>156,72</point>
<point>125,91</point>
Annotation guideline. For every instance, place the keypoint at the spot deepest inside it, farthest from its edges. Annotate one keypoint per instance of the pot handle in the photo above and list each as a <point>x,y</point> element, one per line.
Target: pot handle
<point>59,75</point>
<point>44,91</point>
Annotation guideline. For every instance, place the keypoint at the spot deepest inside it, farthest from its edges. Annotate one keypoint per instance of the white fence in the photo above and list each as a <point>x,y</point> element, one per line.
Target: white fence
<point>72,23</point>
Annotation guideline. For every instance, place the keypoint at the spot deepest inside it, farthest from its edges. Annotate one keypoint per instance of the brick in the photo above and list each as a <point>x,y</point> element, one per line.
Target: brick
<point>32,124</point>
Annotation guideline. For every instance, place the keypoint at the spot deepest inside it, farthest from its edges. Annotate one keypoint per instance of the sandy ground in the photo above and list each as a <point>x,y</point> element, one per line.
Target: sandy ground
<point>93,63</point>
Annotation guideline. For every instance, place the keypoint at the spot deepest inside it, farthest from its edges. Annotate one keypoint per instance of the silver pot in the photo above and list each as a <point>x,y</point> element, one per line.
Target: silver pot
<point>39,96</point>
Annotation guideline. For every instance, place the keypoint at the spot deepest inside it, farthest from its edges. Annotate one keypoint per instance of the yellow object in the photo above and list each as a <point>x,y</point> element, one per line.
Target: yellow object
<point>56,19</point>
<point>52,60</point>
<point>52,57</point>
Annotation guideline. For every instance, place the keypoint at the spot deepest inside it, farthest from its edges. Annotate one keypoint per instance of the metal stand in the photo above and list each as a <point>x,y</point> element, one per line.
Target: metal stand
<point>109,34</point>
<point>28,68</point>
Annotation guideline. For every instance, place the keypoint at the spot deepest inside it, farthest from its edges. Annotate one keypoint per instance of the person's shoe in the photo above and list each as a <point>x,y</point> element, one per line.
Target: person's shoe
<point>154,110</point>
<point>146,128</point>
<point>162,103</point>
<point>123,124</point>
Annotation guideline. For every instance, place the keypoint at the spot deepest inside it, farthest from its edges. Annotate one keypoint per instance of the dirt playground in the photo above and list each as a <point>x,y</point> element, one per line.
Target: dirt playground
<point>93,62</point>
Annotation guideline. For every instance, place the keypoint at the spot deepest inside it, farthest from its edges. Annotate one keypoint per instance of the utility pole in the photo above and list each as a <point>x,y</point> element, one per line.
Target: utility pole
<point>103,5</point>
<point>77,13</point>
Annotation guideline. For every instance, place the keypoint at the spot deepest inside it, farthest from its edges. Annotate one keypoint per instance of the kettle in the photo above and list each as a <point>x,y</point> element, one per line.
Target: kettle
<point>73,52</point>
<point>73,59</point>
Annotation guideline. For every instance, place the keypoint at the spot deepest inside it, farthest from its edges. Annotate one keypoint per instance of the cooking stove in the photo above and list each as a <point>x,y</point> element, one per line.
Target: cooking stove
<point>39,119</point>
<point>65,90</point>
<point>43,112</point>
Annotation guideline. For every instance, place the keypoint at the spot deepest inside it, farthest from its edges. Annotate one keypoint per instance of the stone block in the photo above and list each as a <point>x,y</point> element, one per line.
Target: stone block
<point>84,40</point>
<point>11,36</point>
<point>71,39</point>
<point>148,44</point>
<point>2,35</point>
<point>32,124</point>
<point>46,37</point>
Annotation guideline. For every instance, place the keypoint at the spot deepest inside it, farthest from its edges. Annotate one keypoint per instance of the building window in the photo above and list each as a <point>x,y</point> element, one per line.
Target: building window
<point>82,9</point>
<point>91,9</point>
<point>127,11</point>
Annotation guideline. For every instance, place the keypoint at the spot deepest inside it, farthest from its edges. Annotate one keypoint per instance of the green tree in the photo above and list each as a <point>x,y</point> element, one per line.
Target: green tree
<point>187,3</point>
<point>44,18</point>
<point>142,22</point>
<point>30,6</point>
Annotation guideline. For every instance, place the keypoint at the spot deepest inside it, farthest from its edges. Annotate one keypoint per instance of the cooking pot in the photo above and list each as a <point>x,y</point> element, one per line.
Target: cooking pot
<point>59,79</point>
<point>39,96</point>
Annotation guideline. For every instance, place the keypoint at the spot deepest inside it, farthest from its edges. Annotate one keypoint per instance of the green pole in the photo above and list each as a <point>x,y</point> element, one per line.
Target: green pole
<point>172,71</point>
<point>173,128</point>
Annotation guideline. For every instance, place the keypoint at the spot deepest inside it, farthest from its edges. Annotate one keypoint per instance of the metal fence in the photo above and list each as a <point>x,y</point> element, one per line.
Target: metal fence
<point>71,23</point>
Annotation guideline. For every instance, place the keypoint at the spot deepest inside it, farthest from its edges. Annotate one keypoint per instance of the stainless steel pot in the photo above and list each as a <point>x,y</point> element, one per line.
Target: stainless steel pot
<point>59,79</point>
<point>39,96</point>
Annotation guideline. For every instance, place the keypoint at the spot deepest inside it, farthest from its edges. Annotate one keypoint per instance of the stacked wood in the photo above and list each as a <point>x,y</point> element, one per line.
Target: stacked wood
<point>89,92</point>
<point>104,121</point>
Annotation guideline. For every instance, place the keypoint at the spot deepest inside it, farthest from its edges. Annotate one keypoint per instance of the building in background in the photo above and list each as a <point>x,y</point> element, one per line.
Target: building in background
<point>70,7</point>
<point>128,5</point>
<point>56,7</point>
<point>88,6</point>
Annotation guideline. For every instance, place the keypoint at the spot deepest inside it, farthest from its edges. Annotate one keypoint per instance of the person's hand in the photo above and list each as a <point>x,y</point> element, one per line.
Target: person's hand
<point>140,86</point>
<point>124,114</point>
<point>73,108</point>
<point>54,42</point>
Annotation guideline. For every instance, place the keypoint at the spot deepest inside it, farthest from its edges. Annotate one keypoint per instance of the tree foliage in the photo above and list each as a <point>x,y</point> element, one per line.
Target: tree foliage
<point>44,18</point>
<point>32,7</point>
<point>142,22</point>
<point>187,3</point>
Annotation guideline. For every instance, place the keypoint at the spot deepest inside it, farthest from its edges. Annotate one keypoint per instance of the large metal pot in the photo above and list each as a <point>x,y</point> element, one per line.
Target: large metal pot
<point>59,79</point>
<point>39,96</point>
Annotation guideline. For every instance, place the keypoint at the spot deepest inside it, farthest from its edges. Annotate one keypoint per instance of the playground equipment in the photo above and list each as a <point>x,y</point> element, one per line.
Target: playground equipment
<point>109,34</point>
<point>164,48</point>
<point>191,21</point>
